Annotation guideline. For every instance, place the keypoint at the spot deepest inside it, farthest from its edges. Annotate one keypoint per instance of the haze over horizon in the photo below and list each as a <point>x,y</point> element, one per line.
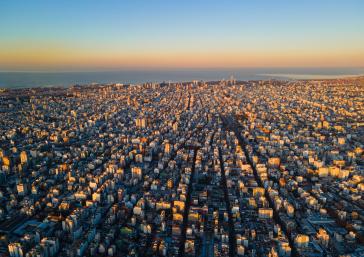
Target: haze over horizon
<point>99,35</point>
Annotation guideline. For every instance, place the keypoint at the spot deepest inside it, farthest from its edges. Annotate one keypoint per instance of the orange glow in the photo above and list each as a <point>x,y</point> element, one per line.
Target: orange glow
<point>56,57</point>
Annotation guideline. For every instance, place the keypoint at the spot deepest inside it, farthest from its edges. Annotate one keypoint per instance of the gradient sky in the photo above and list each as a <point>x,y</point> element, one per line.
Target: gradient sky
<point>95,34</point>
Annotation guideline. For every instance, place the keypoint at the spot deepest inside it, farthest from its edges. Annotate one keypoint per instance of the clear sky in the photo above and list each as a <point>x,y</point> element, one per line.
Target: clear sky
<point>95,34</point>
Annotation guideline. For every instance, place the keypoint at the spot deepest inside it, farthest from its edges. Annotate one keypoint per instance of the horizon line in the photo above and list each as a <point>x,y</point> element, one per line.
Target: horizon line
<point>176,69</point>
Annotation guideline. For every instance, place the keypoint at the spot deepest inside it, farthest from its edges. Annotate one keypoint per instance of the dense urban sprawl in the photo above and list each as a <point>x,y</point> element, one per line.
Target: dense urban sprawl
<point>224,168</point>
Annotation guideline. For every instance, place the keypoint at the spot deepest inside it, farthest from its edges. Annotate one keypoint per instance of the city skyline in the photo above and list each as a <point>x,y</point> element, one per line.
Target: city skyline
<point>189,128</point>
<point>223,168</point>
<point>93,35</point>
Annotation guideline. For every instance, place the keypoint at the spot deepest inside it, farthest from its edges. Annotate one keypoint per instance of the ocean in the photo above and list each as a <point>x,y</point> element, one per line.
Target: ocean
<point>65,79</point>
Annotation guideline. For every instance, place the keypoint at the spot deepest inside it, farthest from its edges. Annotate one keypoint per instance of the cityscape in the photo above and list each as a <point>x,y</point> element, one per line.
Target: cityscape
<point>194,128</point>
<point>218,168</point>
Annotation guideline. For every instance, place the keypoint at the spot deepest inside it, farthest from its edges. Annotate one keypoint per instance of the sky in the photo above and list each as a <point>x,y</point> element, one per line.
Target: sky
<point>163,34</point>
